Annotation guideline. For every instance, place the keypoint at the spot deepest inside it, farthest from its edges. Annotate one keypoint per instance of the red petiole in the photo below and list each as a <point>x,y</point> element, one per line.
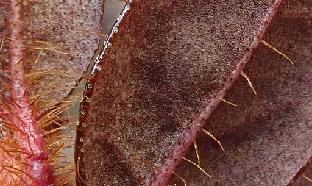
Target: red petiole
<point>21,112</point>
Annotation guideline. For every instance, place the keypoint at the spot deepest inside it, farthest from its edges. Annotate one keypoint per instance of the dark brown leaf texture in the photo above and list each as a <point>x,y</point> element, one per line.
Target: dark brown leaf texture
<point>168,67</point>
<point>185,93</point>
<point>267,138</point>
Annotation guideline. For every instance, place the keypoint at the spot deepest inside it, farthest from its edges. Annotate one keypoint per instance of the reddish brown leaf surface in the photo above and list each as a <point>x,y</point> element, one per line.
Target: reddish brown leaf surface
<point>267,138</point>
<point>67,33</point>
<point>60,38</point>
<point>165,72</point>
<point>303,176</point>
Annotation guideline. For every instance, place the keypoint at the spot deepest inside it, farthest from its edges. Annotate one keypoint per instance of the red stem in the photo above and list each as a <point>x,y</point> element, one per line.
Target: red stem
<point>29,136</point>
<point>188,137</point>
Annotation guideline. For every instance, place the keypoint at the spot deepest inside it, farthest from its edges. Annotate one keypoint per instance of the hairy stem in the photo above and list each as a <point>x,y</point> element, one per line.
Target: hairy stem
<point>28,136</point>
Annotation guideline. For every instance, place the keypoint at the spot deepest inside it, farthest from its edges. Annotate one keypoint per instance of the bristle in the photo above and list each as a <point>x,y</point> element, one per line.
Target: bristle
<point>249,82</point>
<point>197,152</point>
<point>277,51</point>
<point>42,74</point>
<point>214,138</point>
<point>180,178</point>
<point>228,102</point>
<point>197,166</point>
<point>307,178</point>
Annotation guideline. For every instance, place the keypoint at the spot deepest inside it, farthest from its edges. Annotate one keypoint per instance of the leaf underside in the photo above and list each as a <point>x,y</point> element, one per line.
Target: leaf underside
<point>168,61</point>
<point>267,138</point>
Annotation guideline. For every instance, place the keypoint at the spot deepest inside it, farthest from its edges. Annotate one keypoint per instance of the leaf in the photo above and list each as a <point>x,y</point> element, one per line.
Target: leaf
<point>267,137</point>
<point>169,66</point>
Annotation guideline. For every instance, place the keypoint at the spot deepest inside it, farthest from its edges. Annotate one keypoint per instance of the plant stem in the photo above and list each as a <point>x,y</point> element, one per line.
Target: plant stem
<point>29,135</point>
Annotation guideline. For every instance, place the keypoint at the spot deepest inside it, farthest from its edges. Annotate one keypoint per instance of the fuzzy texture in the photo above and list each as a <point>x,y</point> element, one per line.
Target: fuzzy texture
<point>303,176</point>
<point>267,137</point>
<point>61,38</point>
<point>20,114</point>
<point>44,48</point>
<point>159,75</point>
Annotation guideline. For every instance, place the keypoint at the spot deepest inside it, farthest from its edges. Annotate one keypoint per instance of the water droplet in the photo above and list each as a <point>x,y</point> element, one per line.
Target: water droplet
<point>89,85</point>
<point>83,113</point>
<point>97,67</point>
<point>88,100</point>
<point>119,17</point>
<point>115,30</point>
